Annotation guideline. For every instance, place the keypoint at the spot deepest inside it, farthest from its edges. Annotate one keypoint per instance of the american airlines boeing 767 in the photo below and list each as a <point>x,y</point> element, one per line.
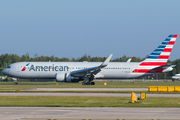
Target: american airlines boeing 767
<point>155,63</point>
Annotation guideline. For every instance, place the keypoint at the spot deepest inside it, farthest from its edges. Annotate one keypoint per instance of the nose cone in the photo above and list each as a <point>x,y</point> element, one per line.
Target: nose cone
<point>4,71</point>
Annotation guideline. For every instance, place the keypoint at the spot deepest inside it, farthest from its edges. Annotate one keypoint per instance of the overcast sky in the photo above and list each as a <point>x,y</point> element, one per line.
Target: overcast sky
<point>73,28</point>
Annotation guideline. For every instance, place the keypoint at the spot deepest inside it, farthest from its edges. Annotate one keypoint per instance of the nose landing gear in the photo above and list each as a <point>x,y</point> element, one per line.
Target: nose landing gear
<point>15,81</point>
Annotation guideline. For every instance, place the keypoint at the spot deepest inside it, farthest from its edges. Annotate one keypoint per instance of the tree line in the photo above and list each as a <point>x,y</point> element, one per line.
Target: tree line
<point>6,59</point>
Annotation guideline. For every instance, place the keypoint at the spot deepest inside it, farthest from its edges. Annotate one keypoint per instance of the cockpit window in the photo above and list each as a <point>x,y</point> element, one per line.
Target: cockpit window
<point>8,67</point>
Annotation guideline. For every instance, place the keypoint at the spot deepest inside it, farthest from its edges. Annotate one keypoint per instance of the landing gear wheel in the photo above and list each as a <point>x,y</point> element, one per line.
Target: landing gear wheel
<point>83,83</point>
<point>88,83</point>
<point>15,83</point>
<point>92,83</point>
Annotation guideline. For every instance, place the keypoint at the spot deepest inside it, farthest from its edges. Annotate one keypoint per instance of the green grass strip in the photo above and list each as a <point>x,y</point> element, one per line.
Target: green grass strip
<point>99,84</point>
<point>70,101</point>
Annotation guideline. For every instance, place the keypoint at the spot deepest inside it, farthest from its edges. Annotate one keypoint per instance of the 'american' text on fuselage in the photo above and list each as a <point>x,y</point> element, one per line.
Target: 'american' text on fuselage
<point>48,68</point>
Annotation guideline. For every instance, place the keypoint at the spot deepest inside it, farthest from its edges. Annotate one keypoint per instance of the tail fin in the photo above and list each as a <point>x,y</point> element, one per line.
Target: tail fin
<point>161,54</point>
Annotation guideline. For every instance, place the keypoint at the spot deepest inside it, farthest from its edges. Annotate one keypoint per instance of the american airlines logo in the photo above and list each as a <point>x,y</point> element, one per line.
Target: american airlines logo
<point>24,68</point>
<point>49,68</point>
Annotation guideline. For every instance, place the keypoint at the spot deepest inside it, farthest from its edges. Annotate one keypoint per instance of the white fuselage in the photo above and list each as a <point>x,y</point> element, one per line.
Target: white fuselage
<point>36,70</point>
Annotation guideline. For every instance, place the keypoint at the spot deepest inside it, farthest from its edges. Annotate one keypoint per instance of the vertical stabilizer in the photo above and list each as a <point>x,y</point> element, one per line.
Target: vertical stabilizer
<point>158,58</point>
<point>161,54</point>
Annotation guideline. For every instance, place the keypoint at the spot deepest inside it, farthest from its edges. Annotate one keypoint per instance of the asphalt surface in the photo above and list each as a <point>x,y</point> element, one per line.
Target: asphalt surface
<point>93,113</point>
<point>88,94</point>
<point>92,89</point>
<point>113,113</point>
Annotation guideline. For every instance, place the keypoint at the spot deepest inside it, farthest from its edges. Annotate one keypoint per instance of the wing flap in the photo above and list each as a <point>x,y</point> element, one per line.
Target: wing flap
<point>83,72</point>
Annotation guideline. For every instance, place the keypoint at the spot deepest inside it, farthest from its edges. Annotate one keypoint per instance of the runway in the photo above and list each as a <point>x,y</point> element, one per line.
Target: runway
<point>93,113</point>
<point>88,94</point>
<point>110,113</point>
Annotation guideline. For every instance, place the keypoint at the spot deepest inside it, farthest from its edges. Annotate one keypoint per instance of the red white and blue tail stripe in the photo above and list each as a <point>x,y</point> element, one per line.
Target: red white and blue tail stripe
<point>158,57</point>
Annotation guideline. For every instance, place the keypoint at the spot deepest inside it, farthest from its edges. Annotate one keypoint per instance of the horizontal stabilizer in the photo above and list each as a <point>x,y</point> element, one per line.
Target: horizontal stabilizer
<point>161,68</point>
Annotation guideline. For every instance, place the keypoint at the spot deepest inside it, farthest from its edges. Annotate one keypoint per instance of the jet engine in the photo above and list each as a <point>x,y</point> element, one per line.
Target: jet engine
<point>66,77</point>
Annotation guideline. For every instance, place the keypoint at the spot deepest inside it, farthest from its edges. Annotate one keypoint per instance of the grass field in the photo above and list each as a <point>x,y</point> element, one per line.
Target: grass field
<point>59,101</point>
<point>71,101</point>
<point>79,85</point>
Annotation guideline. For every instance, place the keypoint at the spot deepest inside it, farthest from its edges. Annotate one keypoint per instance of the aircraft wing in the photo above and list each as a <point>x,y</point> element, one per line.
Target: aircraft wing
<point>92,70</point>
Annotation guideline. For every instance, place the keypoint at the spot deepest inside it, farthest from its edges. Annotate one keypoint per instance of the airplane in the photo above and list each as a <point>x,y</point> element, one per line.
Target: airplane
<point>155,63</point>
<point>176,77</point>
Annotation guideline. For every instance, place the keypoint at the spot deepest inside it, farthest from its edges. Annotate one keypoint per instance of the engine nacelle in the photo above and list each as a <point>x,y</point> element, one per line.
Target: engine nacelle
<point>65,77</point>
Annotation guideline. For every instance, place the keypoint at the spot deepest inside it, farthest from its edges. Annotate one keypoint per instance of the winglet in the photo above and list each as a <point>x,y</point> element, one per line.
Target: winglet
<point>129,60</point>
<point>105,63</point>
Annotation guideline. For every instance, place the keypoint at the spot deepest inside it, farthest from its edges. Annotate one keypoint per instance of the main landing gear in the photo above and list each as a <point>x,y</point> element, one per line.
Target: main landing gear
<point>88,83</point>
<point>88,78</point>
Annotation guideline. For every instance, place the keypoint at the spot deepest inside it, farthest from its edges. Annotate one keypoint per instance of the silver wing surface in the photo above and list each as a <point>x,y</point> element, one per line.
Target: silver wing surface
<point>92,70</point>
